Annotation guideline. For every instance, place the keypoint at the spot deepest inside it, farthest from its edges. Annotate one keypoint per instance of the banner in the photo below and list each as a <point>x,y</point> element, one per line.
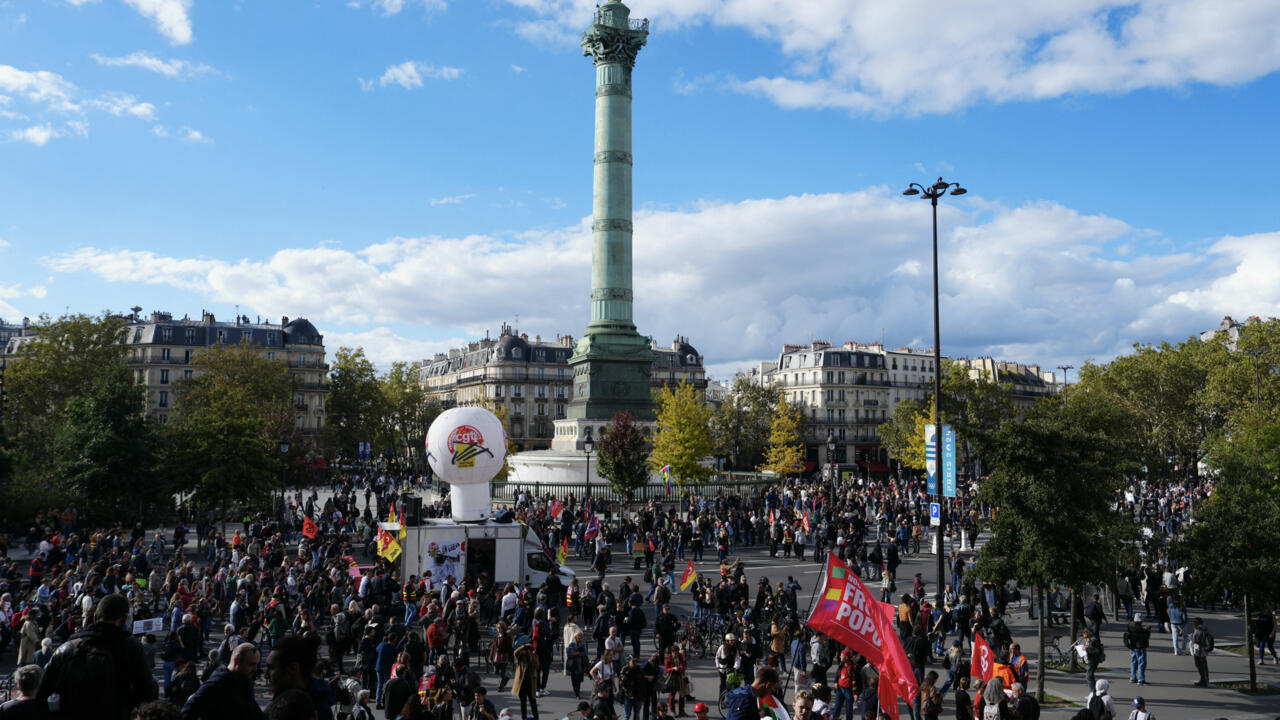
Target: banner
<point>309,528</point>
<point>948,461</point>
<point>690,575</point>
<point>848,612</point>
<point>443,558</point>
<point>983,663</point>
<point>931,458</point>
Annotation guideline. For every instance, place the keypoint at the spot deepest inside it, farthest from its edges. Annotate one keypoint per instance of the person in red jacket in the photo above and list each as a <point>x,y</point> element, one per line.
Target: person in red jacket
<point>436,640</point>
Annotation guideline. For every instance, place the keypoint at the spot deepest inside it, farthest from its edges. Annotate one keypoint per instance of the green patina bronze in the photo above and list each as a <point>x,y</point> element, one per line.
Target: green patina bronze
<point>612,362</point>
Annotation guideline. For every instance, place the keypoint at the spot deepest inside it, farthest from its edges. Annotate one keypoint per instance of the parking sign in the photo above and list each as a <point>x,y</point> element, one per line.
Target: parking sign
<point>935,514</point>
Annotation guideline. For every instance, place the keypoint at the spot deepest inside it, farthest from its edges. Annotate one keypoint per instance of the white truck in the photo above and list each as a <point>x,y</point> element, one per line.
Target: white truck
<point>507,551</point>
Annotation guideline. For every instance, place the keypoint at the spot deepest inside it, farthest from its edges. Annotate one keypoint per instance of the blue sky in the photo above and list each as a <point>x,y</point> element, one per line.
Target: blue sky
<point>411,173</point>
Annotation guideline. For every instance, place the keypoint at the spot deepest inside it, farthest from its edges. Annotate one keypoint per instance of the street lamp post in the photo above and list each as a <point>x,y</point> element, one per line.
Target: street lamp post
<point>932,193</point>
<point>588,446</point>
<point>1064,369</point>
<point>284,468</point>
<point>831,453</point>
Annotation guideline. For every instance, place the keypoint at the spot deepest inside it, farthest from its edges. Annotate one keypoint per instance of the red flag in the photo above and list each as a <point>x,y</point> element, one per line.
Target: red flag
<point>593,528</point>
<point>896,666</point>
<point>807,528</point>
<point>887,694</point>
<point>651,547</point>
<point>309,528</point>
<point>771,517</point>
<point>556,508</point>
<point>983,663</point>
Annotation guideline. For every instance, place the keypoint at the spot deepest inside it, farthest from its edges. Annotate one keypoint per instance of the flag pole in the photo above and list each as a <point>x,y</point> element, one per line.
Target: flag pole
<point>808,612</point>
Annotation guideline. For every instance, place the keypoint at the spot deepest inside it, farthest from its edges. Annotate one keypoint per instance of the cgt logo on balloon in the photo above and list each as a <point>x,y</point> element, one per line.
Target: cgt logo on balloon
<point>465,444</point>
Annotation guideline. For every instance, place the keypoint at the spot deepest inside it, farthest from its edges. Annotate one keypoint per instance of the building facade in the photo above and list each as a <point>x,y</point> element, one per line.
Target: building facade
<point>161,350</point>
<point>1027,384</point>
<point>532,379</point>
<point>846,392</point>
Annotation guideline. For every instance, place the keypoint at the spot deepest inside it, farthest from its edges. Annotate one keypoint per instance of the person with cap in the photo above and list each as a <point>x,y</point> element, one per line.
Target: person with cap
<point>1140,711</point>
<point>727,660</point>
<point>1137,637</point>
<point>700,711</point>
<point>1099,701</point>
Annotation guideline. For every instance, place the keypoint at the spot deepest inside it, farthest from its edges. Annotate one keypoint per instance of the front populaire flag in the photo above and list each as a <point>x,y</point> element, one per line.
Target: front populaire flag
<point>807,528</point>
<point>847,611</point>
<point>309,528</point>
<point>387,546</point>
<point>690,575</point>
<point>983,663</point>
<point>563,553</point>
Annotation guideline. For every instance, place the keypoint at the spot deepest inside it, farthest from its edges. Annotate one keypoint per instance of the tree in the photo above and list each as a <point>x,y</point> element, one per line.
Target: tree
<point>1054,486</point>
<point>903,435</point>
<point>356,405</point>
<point>105,453</point>
<point>59,364</point>
<point>786,451</point>
<point>409,411</point>
<point>740,426</point>
<point>1232,547</point>
<point>975,407</point>
<point>230,417</point>
<point>683,440</point>
<point>624,455</point>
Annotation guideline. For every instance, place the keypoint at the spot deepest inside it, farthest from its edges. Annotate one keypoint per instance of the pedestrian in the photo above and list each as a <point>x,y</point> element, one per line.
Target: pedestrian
<point>228,693</point>
<point>1201,644</point>
<point>1136,638</point>
<point>1139,711</point>
<point>1094,655</point>
<point>1099,701</point>
<point>525,683</point>
<point>1264,629</point>
<point>575,662</point>
<point>26,681</point>
<point>964,705</point>
<point>1177,624</point>
<point>1024,706</point>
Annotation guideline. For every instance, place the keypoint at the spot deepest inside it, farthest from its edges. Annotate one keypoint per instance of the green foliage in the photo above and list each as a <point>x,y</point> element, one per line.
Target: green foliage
<point>786,451</point>
<point>624,454</point>
<point>503,413</point>
<point>230,418</point>
<point>684,438</point>
<point>740,427</point>
<point>356,406</point>
<point>58,365</point>
<point>1054,491</point>
<point>1232,544</point>
<point>409,412</point>
<point>903,435</point>
<point>105,453</point>
<point>975,407</point>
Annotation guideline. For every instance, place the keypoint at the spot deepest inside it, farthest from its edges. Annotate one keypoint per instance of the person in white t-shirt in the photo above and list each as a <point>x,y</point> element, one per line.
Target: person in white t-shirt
<point>1140,710</point>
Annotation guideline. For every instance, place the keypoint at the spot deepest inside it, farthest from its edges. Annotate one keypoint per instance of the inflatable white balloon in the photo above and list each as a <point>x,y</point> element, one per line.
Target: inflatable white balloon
<point>466,447</point>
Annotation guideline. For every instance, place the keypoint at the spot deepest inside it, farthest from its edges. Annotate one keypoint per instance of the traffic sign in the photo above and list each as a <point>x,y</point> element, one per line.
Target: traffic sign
<point>935,514</point>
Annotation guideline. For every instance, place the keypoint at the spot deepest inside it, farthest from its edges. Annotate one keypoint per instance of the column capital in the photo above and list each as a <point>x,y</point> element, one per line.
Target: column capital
<point>608,44</point>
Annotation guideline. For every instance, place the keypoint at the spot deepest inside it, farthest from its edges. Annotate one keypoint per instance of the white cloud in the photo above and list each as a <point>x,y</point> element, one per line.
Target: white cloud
<point>3,243</point>
<point>875,57</point>
<point>409,75</point>
<point>160,131</point>
<point>37,135</point>
<point>194,136</point>
<point>169,68</point>
<point>121,104</point>
<point>384,346</point>
<point>517,69</point>
<point>41,87</point>
<point>451,200</point>
<point>1037,283</point>
<point>393,7</point>
<point>170,17</point>
<point>79,127</point>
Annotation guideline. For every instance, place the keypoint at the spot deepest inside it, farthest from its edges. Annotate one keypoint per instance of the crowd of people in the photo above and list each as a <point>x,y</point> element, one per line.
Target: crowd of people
<point>121,622</point>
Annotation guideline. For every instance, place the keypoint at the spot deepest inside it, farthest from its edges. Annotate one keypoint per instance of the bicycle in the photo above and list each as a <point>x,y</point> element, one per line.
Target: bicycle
<point>733,681</point>
<point>1053,655</point>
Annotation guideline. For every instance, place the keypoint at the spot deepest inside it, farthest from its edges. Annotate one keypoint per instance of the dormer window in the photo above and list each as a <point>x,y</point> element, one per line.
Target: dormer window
<point>515,353</point>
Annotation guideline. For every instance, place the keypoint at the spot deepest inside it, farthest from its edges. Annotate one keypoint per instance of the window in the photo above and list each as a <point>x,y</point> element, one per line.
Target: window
<point>164,398</point>
<point>542,408</point>
<point>560,411</point>
<point>137,335</point>
<point>164,354</point>
<point>830,375</point>
<point>137,376</point>
<point>542,373</point>
<point>542,391</point>
<point>831,415</point>
<point>164,377</point>
<point>302,359</point>
<point>222,336</point>
<point>271,338</point>
<point>271,356</point>
<point>186,374</point>
<point>497,391</point>
<point>515,353</point>
<point>162,419</point>
<point>841,396</point>
<point>166,334</point>
<point>895,363</point>
<point>560,393</point>
<point>840,415</point>
<point>560,374</point>
<point>841,378</point>
<point>539,562</point>
<point>517,391</point>
<point>841,435</point>
<point>191,336</point>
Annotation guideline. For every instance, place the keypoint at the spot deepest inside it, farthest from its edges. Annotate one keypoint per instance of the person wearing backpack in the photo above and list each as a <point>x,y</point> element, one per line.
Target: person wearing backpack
<point>1201,645</point>
<point>100,671</point>
<point>1094,655</point>
<point>1099,703</point>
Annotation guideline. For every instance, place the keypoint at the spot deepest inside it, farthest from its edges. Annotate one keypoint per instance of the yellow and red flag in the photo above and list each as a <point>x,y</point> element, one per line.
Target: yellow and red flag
<point>387,546</point>
<point>563,553</point>
<point>689,576</point>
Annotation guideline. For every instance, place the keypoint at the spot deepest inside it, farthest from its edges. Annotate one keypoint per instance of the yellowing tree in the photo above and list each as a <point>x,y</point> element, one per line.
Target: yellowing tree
<point>684,438</point>
<point>904,434</point>
<point>786,451</point>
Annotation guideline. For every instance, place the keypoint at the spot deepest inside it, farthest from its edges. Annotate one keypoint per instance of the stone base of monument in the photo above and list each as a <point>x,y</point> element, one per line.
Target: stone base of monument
<point>566,463</point>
